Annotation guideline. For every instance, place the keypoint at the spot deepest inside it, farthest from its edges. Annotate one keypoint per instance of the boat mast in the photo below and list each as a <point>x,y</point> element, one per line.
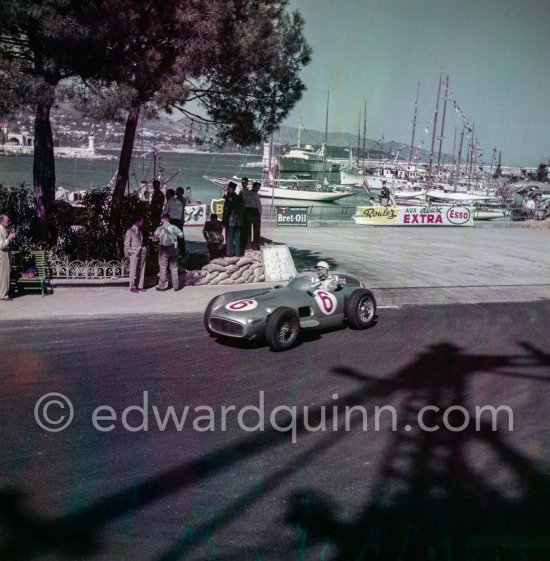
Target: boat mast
<point>414,123</point>
<point>471,154</point>
<point>358,139</point>
<point>443,123</point>
<point>325,141</point>
<point>433,133</point>
<point>454,147</point>
<point>300,127</point>
<point>457,174</point>
<point>364,135</point>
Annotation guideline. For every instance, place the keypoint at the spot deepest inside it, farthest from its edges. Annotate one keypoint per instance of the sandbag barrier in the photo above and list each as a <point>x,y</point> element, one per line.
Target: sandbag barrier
<point>229,270</point>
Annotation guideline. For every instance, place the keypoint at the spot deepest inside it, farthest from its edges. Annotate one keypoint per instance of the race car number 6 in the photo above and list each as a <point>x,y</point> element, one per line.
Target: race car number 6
<point>326,301</point>
<point>241,305</point>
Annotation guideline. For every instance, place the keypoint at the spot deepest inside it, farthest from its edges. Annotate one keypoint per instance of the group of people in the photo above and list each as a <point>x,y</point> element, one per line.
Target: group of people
<point>168,215</point>
<point>527,204</point>
<point>242,220</point>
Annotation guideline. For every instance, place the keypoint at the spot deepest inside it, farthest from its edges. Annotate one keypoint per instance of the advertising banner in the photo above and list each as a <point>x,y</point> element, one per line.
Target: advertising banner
<point>291,216</point>
<point>195,215</point>
<point>414,216</point>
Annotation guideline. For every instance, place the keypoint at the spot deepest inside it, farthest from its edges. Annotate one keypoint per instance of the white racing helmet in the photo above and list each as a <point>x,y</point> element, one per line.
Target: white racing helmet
<point>323,264</point>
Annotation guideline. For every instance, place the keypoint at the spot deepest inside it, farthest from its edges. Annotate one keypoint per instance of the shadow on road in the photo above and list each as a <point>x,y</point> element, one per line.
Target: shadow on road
<point>431,500</point>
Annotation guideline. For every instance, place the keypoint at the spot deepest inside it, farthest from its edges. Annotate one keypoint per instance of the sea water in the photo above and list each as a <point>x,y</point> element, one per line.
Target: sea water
<point>179,169</point>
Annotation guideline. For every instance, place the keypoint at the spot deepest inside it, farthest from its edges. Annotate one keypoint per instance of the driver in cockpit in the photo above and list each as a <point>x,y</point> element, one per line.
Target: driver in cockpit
<point>324,280</point>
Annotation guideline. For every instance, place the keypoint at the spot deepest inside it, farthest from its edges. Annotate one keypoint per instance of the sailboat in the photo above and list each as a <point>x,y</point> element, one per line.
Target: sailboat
<point>273,187</point>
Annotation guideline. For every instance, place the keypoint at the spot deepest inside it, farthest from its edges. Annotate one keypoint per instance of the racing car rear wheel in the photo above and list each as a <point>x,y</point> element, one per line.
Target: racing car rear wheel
<point>361,308</point>
<point>207,315</point>
<point>283,328</point>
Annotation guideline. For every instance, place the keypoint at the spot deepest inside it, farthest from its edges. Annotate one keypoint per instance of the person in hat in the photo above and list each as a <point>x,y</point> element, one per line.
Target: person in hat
<point>324,280</point>
<point>232,219</point>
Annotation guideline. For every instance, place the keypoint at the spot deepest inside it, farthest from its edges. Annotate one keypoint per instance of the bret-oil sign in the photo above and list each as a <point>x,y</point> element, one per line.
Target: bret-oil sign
<point>291,216</point>
<point>414,216</point>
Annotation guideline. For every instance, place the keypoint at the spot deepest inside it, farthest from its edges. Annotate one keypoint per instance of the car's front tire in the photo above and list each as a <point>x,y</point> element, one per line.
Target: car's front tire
<point>282,329</point>
<point>361,308</point>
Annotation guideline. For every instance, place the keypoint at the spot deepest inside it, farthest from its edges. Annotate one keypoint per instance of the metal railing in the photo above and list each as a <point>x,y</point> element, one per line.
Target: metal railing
<point>89,270</point>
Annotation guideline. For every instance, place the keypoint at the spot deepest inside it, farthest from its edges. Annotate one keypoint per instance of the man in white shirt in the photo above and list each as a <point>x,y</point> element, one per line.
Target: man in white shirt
<point>167,235</point>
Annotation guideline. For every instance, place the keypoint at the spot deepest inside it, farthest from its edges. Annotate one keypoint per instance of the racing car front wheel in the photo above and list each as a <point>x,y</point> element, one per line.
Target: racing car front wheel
<point>361,308</point>
<point>283,328</point>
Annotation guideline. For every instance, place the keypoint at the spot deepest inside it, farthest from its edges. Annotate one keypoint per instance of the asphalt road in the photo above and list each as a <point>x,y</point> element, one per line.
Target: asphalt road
<point>137,487</point>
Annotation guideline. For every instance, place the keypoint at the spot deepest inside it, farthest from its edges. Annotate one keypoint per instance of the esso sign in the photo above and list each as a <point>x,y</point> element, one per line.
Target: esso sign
<point>241,305</point>
<point>326,301</point>
<point>458,215</point>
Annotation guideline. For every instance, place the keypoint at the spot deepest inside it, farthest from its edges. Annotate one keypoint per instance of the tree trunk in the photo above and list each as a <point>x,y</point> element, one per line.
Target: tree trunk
<point>44,162</point>
<point>123,172</point>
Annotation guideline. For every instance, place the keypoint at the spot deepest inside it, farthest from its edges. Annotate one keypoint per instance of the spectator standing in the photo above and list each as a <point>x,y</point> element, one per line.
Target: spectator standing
<point>253,215</point>
<point>135,250</point>
<point>233,212</point>
<point>180,196</point>
<point>167,235</point>
<point>157,203</point>
<point>384,195</point>
<point>5,263</point>
<point>245,230</point>
<point>188,196</point>
<point>174,208</point>
<point>213,234</point>
<point>530,207</point>
<point>244,186</point>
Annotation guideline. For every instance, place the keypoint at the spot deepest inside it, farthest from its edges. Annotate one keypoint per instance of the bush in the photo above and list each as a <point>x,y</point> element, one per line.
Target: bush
<point>75,232</point>
<point>18,204</point>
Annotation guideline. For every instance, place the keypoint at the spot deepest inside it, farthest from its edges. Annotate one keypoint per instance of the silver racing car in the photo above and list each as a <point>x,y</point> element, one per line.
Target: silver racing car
<point>279,314</point>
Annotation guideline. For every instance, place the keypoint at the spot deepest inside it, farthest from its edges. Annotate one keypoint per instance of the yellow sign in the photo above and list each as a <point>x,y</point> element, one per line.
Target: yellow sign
<point>216,206</point>
<point>376,215</point>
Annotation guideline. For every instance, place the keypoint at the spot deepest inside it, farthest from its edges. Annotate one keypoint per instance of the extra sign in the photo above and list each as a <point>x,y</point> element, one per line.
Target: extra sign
<point>414,216</point>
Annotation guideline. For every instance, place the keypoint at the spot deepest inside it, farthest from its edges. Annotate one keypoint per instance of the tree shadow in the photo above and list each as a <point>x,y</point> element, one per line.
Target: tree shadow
<point>430,500</point>
<point>429,503</point>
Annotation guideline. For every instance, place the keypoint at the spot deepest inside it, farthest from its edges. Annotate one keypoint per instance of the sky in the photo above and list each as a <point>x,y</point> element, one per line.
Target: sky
<point>496,53</point>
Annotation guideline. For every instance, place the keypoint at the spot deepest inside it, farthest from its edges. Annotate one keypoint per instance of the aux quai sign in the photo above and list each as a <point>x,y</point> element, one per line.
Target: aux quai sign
<point>414,216</point>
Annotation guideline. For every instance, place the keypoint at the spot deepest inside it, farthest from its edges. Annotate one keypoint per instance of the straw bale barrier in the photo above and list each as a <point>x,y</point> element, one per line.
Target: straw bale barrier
<point>229,270</point>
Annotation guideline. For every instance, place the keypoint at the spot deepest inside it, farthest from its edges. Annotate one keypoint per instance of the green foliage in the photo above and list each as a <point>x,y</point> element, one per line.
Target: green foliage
<point>90,239</point>
<point>18,204</point>
<point>78,232</point>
